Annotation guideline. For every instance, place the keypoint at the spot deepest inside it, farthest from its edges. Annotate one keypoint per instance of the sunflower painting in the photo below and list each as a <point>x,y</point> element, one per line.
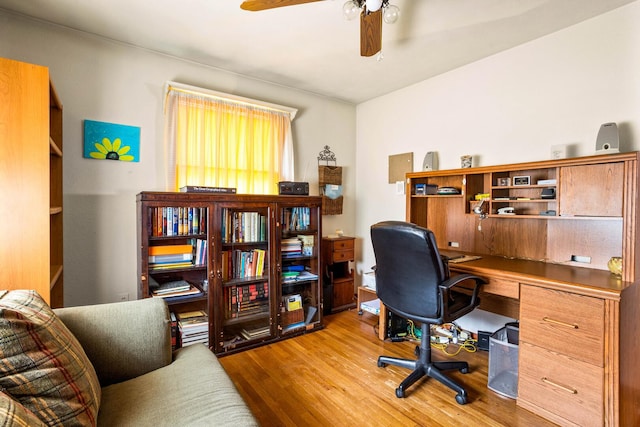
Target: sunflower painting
<point>109,141</point>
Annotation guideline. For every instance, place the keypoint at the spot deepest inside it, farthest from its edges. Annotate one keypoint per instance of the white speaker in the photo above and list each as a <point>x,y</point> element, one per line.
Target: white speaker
<point>430,162</point>
<point>608,141</point>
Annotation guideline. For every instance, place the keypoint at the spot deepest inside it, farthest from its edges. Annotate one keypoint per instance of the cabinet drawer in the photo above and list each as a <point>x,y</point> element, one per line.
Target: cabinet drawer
<point>341,256</point>
<point>563,322</point>
<point>569,388</point>
<point>341,245</point>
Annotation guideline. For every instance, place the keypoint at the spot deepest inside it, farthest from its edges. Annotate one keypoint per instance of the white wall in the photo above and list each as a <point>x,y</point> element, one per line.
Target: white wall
<point>100,80</point>
<point>508,108</point>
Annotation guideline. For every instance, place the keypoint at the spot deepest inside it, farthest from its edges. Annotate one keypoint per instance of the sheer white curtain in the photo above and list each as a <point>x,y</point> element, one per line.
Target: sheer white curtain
<point>214,139</point>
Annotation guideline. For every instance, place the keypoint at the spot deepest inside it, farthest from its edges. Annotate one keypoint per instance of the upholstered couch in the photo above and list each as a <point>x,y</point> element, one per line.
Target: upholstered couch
<point>119,372</point>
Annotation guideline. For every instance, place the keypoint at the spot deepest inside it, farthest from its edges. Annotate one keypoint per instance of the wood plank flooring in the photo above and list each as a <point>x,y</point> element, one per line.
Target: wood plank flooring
<point>330,378</point>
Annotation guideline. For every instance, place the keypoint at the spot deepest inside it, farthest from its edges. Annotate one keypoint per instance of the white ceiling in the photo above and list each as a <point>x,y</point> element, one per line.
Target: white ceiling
<point>311,46</point>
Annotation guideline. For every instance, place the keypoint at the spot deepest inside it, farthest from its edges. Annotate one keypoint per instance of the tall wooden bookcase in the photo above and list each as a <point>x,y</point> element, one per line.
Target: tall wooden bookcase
<point>261,277</point>
<point>31,252</point>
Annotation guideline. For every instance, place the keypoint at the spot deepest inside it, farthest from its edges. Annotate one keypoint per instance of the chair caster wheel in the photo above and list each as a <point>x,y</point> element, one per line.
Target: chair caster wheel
<point>459,398</point>
<point>464,370</point>
<point>400,393</point>
<point>381,364</point>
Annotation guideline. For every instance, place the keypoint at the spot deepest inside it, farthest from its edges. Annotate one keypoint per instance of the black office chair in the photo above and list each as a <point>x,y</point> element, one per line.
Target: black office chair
<point>412,281</point>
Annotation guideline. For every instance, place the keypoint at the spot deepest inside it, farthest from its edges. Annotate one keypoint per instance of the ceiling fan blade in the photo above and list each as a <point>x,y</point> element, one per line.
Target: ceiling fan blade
<point>370,33</point>
<point>256,5</point>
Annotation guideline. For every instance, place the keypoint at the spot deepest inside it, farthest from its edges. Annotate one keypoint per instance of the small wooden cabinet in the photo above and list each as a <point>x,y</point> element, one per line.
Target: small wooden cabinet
<point>337,253</point>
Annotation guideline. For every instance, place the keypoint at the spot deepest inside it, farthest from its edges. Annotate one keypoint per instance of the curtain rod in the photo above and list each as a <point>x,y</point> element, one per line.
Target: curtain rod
<point>194,90</point>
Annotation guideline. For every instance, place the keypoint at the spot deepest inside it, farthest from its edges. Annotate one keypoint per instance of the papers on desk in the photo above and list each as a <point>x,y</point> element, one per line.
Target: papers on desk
<point>464,258</point>
<point>372,306</point>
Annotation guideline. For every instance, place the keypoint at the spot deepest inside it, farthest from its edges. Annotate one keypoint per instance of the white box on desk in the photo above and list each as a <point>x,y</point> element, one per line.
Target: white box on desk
<point>369,280</point>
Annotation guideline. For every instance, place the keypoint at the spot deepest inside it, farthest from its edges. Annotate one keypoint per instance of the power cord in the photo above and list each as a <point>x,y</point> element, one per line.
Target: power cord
<point>444,336</point>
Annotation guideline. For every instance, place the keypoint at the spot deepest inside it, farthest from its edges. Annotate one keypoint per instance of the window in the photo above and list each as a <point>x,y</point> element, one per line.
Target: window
<point>219,140</point>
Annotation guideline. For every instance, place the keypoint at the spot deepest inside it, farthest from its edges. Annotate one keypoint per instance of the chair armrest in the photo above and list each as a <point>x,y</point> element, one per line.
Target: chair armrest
<point>123,340</point>
<point>447,285</point>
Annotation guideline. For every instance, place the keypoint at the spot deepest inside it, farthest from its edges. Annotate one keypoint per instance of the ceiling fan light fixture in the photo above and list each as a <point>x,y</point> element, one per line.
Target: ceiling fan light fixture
<point>351,10</point>
<point>391,14</point>
<point>373,5</point>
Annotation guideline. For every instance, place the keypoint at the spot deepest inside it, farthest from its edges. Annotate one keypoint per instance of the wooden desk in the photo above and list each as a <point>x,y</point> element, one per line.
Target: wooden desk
<point>578,338</point>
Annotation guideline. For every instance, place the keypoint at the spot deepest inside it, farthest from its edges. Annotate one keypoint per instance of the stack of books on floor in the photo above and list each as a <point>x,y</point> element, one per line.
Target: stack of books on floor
<point>193,327</point>
<point>170,256</point>
<point>173,289</point>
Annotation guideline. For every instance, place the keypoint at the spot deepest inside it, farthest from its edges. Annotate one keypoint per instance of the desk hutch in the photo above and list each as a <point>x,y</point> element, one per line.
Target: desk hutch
<point>547,266</point>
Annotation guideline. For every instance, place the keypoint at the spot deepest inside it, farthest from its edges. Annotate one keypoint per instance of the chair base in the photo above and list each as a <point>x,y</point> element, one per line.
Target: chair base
<point>423,366</point>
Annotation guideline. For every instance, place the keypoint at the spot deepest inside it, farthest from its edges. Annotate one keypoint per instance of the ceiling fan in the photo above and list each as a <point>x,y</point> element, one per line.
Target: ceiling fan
<point>371,14</point>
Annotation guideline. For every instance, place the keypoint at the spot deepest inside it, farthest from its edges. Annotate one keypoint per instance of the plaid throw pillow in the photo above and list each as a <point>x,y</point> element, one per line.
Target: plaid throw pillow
<point>13,414</point>
<point>42,365</point>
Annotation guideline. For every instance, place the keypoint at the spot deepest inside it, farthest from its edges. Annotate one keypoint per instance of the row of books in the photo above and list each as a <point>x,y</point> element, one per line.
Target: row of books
<point>188,328</point>
<point>238,227</point>
<point>178,256</point>
<point>244,300</point>
<point>296,219</point>
<point>178,221</point>
<point>238,264</point>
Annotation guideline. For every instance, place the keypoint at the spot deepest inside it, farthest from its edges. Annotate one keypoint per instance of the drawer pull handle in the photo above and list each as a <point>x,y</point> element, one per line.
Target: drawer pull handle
<point>561,387</point>
<point>557,322</point>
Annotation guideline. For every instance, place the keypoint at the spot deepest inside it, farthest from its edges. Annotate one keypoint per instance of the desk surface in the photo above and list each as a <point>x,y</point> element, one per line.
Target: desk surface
<point>589,281</point>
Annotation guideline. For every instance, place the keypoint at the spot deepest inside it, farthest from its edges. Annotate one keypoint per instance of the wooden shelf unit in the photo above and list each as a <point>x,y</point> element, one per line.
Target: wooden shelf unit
<point>31,181</point>
<point>245,308</point>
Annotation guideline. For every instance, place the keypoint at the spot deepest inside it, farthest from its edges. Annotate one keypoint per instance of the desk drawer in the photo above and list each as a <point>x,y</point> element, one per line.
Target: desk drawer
<point>563,322</point>
<point>569,388</point>
<point>502,287</point>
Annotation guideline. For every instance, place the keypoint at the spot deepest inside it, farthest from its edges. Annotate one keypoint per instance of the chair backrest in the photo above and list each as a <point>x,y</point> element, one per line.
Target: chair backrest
<point>408,269</point>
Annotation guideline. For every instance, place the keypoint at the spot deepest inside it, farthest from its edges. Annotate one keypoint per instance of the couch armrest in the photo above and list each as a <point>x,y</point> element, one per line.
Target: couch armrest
<point>123,340</point>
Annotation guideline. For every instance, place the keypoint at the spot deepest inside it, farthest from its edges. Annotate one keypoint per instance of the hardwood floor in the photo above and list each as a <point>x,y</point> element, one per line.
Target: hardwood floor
<point>330,378</point>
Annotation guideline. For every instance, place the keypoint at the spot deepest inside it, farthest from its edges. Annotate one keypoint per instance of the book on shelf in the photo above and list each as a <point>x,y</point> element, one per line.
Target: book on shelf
<point>193,326</point>
<point>186,292</point>
<point>298,276</point>
<point>243,226</point>
<point>203,189</point>
<point>250,334</point>
<point>170,250</point>
<point>177,220</point>
<point>173,286</point>
<point>293,302</point>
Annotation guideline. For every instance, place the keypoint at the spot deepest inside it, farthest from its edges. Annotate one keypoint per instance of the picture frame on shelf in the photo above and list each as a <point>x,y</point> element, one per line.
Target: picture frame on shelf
<point>522,180</point>
<point>504,182</point>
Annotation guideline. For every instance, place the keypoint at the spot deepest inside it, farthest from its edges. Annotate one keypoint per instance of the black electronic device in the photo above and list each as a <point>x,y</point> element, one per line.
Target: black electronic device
<point>548,193</point>
<point>291,188</point>
<point>483,340</point>
<point>397,326</point>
